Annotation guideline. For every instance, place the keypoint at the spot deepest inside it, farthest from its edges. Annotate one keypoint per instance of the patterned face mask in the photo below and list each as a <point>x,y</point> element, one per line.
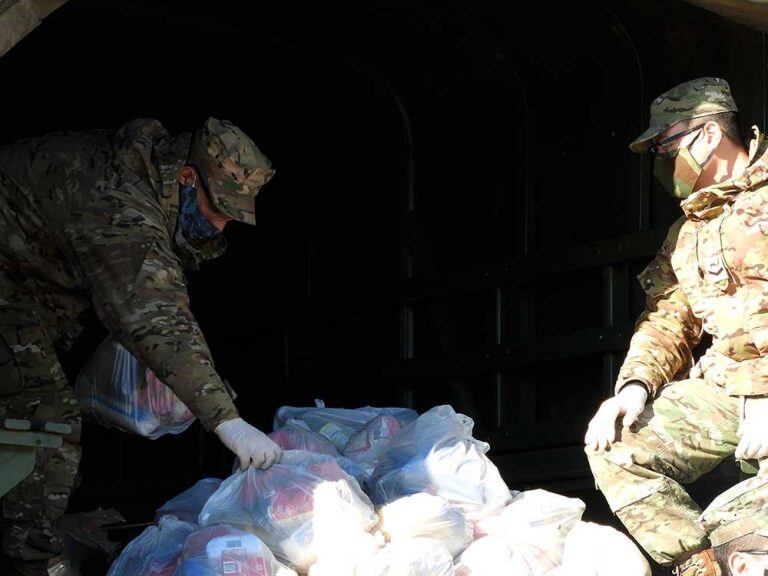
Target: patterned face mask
<point>194,225</point>
<point>678,170</point>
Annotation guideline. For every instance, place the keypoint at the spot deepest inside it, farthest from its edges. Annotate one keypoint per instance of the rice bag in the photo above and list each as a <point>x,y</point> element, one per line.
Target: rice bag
<point>154,552</point>
<point>116,390</point>
<point>220,549</point>
<point>292,506</point>
<point>436,454</point>
<point>187,505</point>
<point>426,516</point>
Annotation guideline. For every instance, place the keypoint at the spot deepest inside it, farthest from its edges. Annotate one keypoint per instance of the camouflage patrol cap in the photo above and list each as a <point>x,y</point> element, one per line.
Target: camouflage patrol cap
<point>740,510</point>
<point>232,167</point>
<point>686,101</point>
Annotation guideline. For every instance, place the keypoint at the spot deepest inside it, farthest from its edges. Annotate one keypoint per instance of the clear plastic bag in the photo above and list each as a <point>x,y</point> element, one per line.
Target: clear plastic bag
<point>436,454</point>
<point>339,424</point>
<point>293,436</point>
<point>187,505</point>
<point>117,391</point>
<point>595,550</point>
<point>368,444</point>
<point>293,505</point>
<point>426,516</point>
<point>412,557</point>
<point>494,555</point>
<point>535,517</point>
<point>155,552</point>
<point>220,550</point>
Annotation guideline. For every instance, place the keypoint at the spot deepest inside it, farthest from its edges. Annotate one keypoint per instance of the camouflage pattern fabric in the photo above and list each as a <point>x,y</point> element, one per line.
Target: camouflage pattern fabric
<point>686,432</point>
<point>739,511</point>
<point>686,101</point>
<point>89,221</point>
<point>710,275</point>
<point>232,166</point>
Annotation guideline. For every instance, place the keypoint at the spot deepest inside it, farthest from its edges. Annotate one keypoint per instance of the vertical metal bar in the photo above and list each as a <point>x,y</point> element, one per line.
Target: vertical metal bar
<point>407,394</point>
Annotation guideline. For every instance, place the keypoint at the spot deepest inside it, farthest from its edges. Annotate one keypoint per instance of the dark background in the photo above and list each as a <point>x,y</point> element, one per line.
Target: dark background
<point>456,217</point>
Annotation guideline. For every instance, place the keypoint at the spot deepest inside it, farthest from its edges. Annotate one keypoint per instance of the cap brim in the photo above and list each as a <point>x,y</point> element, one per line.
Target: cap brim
<point>643,142</point>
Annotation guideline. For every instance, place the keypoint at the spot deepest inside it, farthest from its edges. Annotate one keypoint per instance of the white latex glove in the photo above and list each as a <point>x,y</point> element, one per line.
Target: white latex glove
<point>628,404</point>
<point>753,430</point>
<point>250,444</point>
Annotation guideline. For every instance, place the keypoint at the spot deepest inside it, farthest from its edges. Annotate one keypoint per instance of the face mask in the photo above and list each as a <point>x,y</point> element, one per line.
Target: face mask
<point>678,171</point>
<point>194,226</point>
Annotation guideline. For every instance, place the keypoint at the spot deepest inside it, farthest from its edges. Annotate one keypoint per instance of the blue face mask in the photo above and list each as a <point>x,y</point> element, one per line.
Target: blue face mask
<point>194,226</point>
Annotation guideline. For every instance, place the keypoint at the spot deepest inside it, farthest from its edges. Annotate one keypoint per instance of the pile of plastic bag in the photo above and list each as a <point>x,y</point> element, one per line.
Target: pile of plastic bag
<point>116,390</point>
<point>431,503</point>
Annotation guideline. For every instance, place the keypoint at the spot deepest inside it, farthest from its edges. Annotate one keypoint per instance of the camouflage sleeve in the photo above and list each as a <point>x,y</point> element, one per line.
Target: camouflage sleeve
<point>666,331</point>
<point>139,292</point>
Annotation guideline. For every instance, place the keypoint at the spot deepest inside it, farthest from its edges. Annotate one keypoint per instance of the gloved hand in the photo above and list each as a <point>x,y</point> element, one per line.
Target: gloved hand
<point>753,429</point>
<point>250,444</point>
<point>628,404</point>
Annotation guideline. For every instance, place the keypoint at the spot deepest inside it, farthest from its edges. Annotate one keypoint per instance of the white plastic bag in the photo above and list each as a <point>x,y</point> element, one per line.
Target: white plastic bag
<point>412,557</point>
<point>426,516</point>
<point>219,550</point>
<point>494,555</point>
<point>436,454</point>
<point>293,505</point>
<point>536,517</point>
<point>595,550</point>
<point>188,504</point>
<point>117,391</point>
<point>154,552</point>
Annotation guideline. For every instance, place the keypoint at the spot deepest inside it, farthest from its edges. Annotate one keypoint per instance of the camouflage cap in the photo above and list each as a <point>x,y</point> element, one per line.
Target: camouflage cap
<point>686,101</point>
<point>232,167</point>
<point>740,510</point>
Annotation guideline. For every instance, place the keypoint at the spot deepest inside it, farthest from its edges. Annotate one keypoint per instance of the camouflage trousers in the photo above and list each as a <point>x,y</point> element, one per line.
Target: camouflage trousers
<point>685,432</point>
<point>33,387</point>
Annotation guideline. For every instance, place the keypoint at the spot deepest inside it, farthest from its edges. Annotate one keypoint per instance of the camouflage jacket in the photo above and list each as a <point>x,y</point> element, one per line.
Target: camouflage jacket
<point>710,275</point>
<point>96,218</point>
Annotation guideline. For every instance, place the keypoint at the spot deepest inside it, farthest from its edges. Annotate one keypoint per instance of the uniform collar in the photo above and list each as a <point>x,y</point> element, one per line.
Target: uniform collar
<point>710,202</point>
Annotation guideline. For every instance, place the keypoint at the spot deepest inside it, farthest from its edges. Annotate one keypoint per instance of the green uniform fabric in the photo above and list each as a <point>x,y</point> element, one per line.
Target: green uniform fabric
<point>709,276</point>
<point>88,222</point>
<point>739,511</point>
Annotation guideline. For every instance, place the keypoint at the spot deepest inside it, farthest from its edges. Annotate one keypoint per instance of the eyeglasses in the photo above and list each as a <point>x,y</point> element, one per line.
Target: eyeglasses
<point>660,147</point>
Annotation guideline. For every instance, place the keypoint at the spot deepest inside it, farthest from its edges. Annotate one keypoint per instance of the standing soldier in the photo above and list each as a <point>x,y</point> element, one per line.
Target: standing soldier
<point>680,420</point>
<point>105,222</point>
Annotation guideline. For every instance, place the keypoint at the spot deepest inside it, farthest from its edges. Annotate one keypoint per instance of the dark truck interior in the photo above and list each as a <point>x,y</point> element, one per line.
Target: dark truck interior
<point>456,217</point>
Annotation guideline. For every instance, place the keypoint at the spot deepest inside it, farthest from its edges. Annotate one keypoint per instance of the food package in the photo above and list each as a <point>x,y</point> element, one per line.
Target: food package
<point>155,552</point>
<point>436,454</point>
<point>293,505</point>
<point>368,444</point>
<point>494,555</point>
<point>339,424</point>
<point>117,391</point>
<point>293,436</point>
<point>595,550</point>
<point>221,550</point>
<point>187,505</point>
<point>426,516</point>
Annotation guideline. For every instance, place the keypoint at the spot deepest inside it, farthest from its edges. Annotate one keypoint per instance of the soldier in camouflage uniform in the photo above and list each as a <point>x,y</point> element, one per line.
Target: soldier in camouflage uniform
<point>737,523</point>
<point>710,275</point>
<point>106,222</point>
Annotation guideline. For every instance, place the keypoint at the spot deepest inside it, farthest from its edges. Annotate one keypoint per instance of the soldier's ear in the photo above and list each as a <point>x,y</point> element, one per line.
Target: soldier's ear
<point>738,563</point>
